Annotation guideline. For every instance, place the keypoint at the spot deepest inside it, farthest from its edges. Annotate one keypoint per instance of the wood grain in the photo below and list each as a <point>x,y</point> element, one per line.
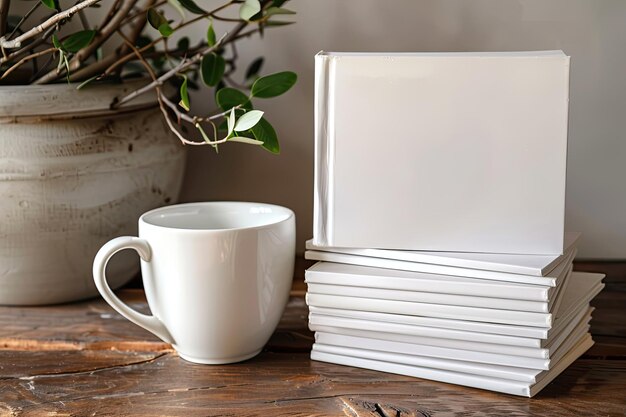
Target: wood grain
<point>83,359</point>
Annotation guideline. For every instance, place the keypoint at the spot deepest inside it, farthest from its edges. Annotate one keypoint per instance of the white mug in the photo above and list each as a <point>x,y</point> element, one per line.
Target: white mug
<point>217,276</point>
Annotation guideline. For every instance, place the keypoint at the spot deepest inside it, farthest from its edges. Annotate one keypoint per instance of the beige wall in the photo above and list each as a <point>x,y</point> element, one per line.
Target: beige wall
<point>592,32</point>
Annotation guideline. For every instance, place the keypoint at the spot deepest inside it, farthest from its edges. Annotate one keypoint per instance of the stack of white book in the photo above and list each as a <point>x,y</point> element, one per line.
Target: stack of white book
<point>440,232</point>
<point>507,323</point>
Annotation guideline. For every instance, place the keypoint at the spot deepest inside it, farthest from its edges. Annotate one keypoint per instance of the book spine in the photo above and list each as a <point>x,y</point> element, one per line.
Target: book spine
<point>324,138</point>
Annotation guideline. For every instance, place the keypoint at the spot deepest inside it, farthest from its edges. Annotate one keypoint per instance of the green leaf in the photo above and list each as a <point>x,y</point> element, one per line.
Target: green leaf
<point>159,22</point>
<point>254,68</point>
<point>264,132</point>
<point>228,97</point>
<point>275,23</point>
<point>248,120</point>
<point>212,68</point>
<point>183,44</point>
<point>249,8</point>
<point>51,4</point>
<point>244,139</point>
<point>165,30</point>
<point>155,18</point>
<point>278,3</point>
<point>184,95</point>
<point>192,6</point>
<point>278,10</point>
<point>210,35</point>
<point>77,41</point>
<point>274,85</point>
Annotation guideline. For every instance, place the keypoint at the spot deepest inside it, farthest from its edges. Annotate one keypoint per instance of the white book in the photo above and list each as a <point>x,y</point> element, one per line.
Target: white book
<point>434,297</point>
<point>475,368</point>
<point>581,289</point>
<point>505,357</point>
<point>363,276</point>
<point>321,322</point>
<point>470,155</point>
<point>537,265</point>
<point>419,341</point>
<point>552,279</point>
<point>488,315</point>
<point>507,386</point>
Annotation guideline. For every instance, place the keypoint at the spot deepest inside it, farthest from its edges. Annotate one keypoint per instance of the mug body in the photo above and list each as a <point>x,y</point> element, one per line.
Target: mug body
<point>219,275</point>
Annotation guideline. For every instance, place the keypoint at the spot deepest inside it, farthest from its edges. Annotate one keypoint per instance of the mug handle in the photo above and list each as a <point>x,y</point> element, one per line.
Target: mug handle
<point>150,323</point>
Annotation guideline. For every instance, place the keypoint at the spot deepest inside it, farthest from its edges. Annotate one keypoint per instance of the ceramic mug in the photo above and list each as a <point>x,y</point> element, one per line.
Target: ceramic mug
<point>217,276</point>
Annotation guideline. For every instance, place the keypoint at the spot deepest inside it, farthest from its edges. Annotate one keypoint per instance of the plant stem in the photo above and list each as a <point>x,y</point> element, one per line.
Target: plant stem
<point>4,15</point>
<point>23,19</point>
<point>129,57</point>
<point>25,50</point>
<point>157,88</point>
<point>103,34</point>
<point>53,20</point>
<point>142,11</point>
<point>25,60</point>
<point>183,65</point>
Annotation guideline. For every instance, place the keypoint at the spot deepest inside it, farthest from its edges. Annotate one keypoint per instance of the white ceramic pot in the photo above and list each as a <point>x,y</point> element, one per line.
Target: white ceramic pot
<point>74,174</point>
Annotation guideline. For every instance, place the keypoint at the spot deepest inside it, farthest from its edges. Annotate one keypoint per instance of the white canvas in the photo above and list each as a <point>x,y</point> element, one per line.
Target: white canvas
<point>538,265</point>
<point>461,152</point>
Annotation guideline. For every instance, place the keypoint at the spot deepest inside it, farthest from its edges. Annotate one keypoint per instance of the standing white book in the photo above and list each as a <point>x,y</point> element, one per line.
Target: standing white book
<point>468,152</point>
<point>538,265</point>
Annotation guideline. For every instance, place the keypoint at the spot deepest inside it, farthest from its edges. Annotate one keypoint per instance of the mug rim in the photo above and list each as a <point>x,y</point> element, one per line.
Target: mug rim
<point>142,221</point>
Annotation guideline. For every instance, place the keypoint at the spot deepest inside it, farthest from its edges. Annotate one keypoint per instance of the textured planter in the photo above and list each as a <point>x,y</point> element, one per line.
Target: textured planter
<point>74,174</point>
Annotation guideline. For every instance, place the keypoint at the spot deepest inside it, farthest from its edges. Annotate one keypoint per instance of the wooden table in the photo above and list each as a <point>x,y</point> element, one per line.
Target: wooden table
<point>83,359</point>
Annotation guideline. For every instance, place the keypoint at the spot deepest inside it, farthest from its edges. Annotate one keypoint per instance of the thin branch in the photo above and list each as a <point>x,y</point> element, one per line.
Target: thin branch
<point>42,69</point>
<point>130,56</point>
<point>102,35</point>
<point>25,60</point>
<point>182,66</point>
<point>66,14</point>
<point>195,119</point>
<point>163,101</point>
<point>138,27</point>
<point>4,15</point>
<point>111,12</point>
<point>23,19</point>
<point>142,11</point>
<point>28,48</point>
<point>157,88</point>
<point>83,19</point>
